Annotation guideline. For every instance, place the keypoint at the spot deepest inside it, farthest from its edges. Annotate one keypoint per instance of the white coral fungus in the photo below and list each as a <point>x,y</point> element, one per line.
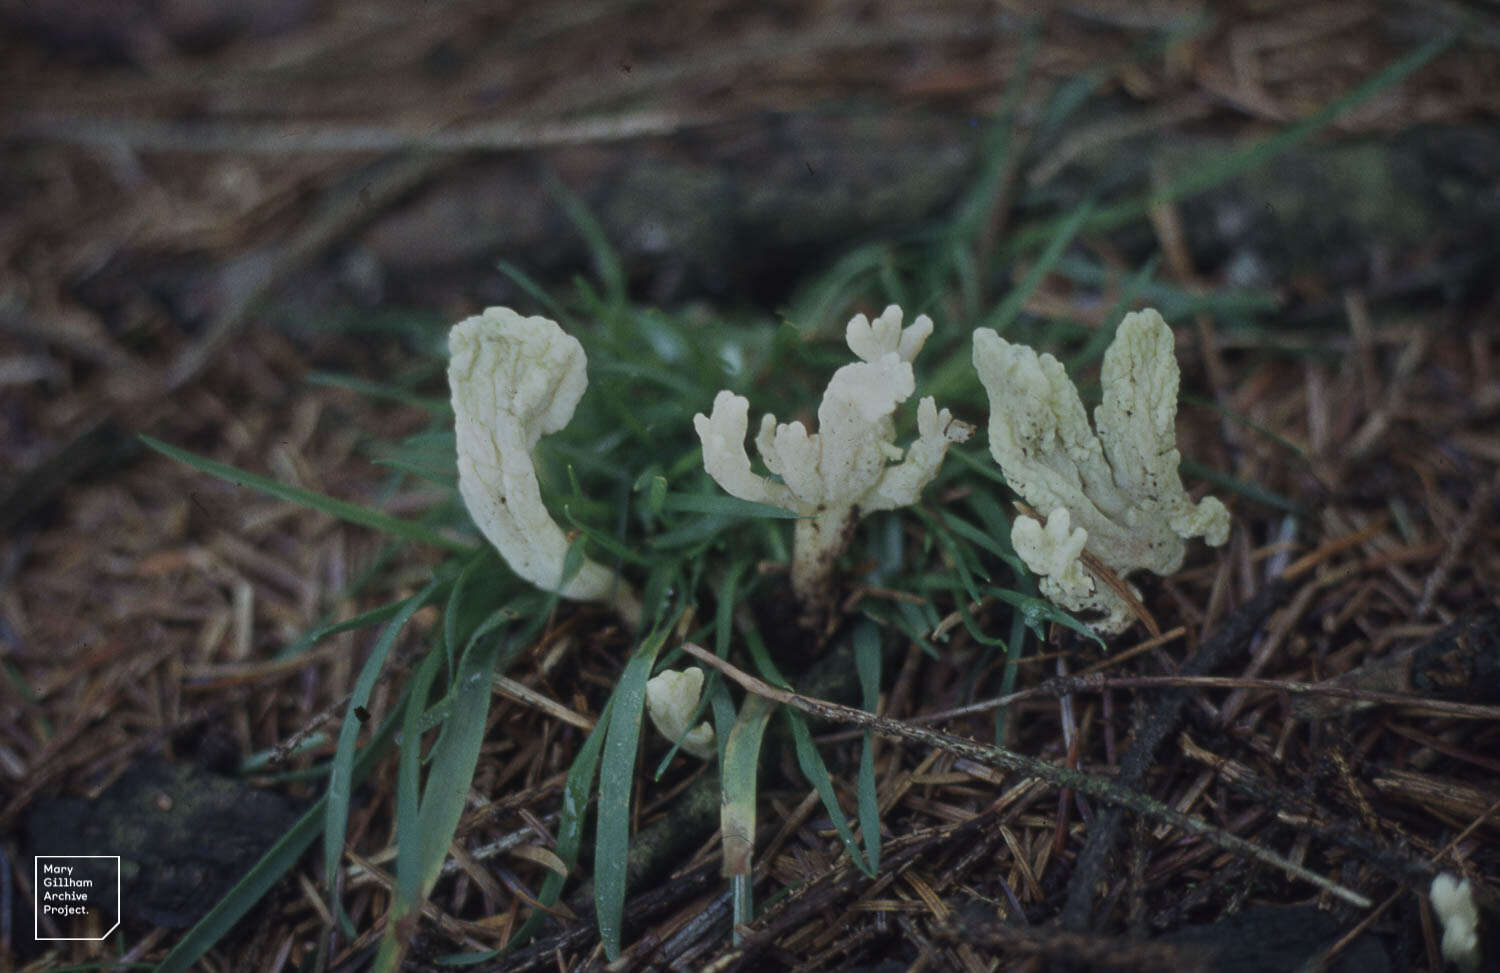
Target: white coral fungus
<point>1118,491</point>
<point>671,698</point>
<point>850,466</point>
<point>1453,901</point>
<point>513,380</point>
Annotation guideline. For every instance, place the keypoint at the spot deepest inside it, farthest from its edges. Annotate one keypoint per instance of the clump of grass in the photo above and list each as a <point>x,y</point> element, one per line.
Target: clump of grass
<point>626,475</point>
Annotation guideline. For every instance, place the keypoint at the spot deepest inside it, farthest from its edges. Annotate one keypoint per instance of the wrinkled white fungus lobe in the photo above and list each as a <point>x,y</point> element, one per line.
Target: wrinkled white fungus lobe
<point>1116,490</point>
<point>671,698</point>
<point>1453,901</point>
<point>851,465</point>
<point>1053,553</point>
<point>513,380</point>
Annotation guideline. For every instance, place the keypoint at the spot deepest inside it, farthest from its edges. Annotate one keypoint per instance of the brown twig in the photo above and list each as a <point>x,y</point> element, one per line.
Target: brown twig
<point>1063,685</point>
<point>1099,788</point>
<point>1322,961</point>
<point>1154,726</point>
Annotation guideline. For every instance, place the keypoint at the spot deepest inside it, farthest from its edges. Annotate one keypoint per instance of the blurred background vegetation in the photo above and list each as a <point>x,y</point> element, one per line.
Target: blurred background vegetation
<point>243,231</point>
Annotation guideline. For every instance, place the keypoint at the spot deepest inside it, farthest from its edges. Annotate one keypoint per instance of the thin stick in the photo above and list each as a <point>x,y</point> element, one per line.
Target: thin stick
<point>1151,728</point>
<point>1099,788</point>
<point>1459,538</point>
<point>302,138</point>
<point>1369,920</point>
<point>1064,685</point>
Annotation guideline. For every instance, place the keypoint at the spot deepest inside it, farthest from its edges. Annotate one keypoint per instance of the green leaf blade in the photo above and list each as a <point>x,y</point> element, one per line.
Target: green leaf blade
<point>334,507</point>
<point>616,778</point>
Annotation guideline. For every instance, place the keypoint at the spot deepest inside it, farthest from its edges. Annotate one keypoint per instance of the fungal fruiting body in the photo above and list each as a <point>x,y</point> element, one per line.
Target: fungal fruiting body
<point>513,380</point>
<point>1453,901</point>
<point>671,699</point>
<point>1112,488</point>
<point>851,465</point>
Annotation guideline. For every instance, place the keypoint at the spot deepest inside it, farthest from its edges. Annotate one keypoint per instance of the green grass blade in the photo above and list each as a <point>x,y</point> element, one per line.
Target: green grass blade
<point>616,777</point>
<point>606,261</point>
<point>741,765</point>
<point>575,803</point>
<point>958,371</point>
<point>363,620</point>
<point>1066,99</point>
<point>965,567</point>
<point>982,540</point>
<point>764,665</point>
<point>1013,653</point>
<point>465,959</point>
<point>1255,427</point>
<point>431,455</point>
<point>456,754</point>
<point>602,539</point>
<point>976,210</point>
<point>910,622</point>
<point>994,524</point>
<point>341,509</point>
<point>694,533</point>
<point>1036,610</point>
<point>462,612</point>
<point>1006,311</point>
<point>532,288</point>
<point>721,505</point>
<point>341,773</point>
<point>1170,299</point>
<point>382,391</point>
<point>724,608</point>
<point>1245,488</point>
<point>977,460</point>
<point>275,863</point>
<point>652,372</point>
<point>408,795</point>
<point>867,663</point>
<point>1093,349</point>
<point>454,758</point>
<point>1206,177</point>
<point>811,764</point>
<point>737,813</point>
<point>654,482</point>
<point>891,282</point>
<point>815,305</point>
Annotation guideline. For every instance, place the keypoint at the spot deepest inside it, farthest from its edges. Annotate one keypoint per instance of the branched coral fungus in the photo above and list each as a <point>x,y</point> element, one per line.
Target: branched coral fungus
<point>851,465</point>
<point>1116,491</point>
